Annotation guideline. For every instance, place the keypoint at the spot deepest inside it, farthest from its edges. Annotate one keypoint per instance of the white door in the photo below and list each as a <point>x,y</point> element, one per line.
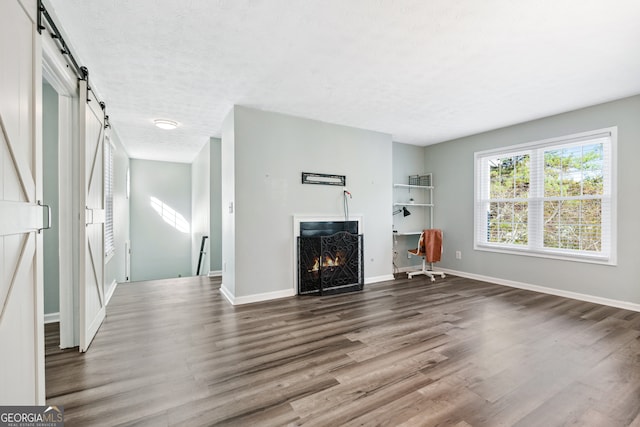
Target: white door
<point>92,215</point>
<point>21,302</point>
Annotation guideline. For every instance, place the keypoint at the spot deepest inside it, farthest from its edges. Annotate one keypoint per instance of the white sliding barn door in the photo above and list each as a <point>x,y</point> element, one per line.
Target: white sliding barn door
<point>91,259</point>
<point>21,305</point>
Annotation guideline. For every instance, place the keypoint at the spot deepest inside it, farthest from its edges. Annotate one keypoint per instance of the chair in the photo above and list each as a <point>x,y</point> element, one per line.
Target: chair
<point>430,249</point>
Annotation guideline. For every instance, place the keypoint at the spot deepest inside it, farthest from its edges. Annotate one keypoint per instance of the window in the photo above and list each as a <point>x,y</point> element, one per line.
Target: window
<point>109,241</point>
<point>552,198</point>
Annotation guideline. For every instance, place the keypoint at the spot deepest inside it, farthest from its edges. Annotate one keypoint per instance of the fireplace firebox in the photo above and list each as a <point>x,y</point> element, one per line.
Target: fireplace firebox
<point>330,258</point>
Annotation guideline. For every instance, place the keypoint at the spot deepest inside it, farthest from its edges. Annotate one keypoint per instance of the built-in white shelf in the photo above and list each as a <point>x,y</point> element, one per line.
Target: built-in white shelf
<point>403,199</point>
<point>424,187</point>
<point>413,204</point>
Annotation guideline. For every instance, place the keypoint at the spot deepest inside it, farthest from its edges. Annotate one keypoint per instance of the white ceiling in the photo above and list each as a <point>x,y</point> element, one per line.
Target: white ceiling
<point>423,71</point>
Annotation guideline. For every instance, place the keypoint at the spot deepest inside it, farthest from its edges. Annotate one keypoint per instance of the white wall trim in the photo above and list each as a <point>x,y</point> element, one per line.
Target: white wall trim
<point>227,295</point>
<point>267,296</point>
<point>57,73</point>
<point>51,317</point>
<point>215,273</point>
<point>111,290</point>
<point>510,283</point>
<point>551,291</point>
<point>285,293</point>
<point>377,279</point>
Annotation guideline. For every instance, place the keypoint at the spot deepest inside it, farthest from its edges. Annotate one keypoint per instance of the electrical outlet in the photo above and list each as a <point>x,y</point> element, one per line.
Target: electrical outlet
<point>458,254</point>
<point>408,255</point>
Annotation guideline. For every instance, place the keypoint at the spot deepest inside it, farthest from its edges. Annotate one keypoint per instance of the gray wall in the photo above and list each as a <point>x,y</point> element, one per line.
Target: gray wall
<point>453,166</point>
<point>228,194</point>
<point>408,160</point>
<point>200,205</point>
<point>115,267</point>
<point>50,196</point>
<point>158,249</point>
<point>215,236</point>
<point>268,152</point>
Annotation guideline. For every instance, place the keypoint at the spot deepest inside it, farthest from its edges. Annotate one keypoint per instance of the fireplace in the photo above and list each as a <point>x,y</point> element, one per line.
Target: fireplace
<point>330,258</point>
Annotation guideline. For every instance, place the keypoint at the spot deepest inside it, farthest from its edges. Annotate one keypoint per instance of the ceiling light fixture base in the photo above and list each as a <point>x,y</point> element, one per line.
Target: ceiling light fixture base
<point>165,124</point>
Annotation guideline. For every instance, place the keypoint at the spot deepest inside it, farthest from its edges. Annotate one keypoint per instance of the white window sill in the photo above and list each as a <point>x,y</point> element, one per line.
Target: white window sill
<point>559,255</point>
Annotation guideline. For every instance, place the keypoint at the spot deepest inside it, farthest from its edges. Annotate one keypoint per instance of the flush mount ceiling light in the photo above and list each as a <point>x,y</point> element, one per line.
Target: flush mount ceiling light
<point>165,124</point>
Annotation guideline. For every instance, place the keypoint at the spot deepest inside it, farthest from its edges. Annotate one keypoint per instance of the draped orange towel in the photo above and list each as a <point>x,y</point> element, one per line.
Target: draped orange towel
<point>430,245</point>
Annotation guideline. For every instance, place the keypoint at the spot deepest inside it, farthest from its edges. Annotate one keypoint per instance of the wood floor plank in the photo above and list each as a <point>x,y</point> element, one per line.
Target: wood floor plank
<point>458,352</point>
<point>566,407</point>
<point>357,399</point>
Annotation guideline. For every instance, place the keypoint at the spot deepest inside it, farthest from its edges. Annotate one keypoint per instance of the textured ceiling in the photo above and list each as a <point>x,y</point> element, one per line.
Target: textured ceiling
<point>423,71</point>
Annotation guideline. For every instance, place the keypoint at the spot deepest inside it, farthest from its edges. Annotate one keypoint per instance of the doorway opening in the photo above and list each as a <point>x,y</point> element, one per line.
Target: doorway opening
<point>60,297</point>
<point>59,119</point>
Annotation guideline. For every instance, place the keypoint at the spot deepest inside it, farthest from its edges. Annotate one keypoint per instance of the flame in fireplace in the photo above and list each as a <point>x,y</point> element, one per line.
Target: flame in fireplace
<point>328,261</point>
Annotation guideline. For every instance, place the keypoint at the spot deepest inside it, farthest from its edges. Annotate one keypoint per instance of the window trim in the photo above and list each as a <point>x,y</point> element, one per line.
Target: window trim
<point>557,253</point>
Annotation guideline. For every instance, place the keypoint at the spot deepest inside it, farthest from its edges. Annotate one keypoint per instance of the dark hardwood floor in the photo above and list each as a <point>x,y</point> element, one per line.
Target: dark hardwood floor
<point>458,353</point>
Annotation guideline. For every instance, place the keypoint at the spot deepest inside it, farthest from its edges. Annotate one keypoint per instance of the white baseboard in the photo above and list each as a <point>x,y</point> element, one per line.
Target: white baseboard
<point>226,294</point>
<point>551,291</point>
<point>51,317</point>
<point>267,296</point>
<point>215,273</point>
<point>111,290</point>
<point>376,279</point>
<point>285,293</point>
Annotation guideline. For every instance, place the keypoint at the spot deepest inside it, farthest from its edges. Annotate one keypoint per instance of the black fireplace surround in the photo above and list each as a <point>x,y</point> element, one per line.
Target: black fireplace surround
<point>330,258</point>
